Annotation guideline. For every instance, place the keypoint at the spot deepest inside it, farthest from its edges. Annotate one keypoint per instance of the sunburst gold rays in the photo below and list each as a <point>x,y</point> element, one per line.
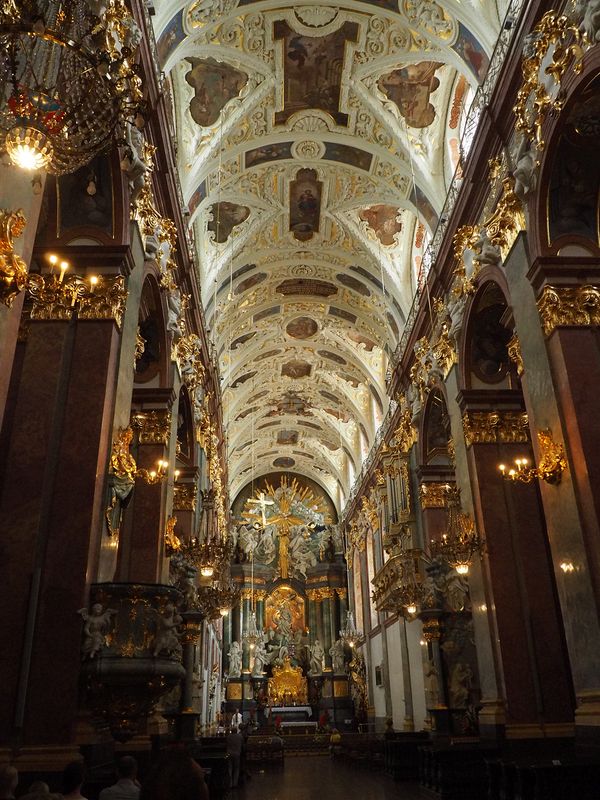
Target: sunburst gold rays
<point>290,494</point>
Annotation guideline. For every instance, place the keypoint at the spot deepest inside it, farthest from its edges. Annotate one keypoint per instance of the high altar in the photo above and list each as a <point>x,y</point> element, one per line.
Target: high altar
<point>281,642</point>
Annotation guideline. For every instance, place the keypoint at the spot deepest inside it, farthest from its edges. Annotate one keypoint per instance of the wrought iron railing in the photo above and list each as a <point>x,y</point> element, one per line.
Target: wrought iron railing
<point>481,100</point>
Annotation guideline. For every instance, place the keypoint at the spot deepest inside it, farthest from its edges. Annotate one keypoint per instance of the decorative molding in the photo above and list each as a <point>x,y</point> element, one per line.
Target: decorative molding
<point>317,595</point>
<point>154,427</point>
<point>105,298</point>
<point>553,46</point>
<point>184,496</point>
<point>560,306</point>
<point>515,355</point>
<point>13,270</point>
<point>433,495</point>
<point>491,427</point>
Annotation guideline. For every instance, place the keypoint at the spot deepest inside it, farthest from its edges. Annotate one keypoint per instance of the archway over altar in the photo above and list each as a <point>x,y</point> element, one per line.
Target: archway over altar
<point>290,566</point>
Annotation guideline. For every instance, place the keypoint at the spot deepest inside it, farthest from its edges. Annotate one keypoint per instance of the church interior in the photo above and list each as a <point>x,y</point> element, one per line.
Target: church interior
<point>299,353</point>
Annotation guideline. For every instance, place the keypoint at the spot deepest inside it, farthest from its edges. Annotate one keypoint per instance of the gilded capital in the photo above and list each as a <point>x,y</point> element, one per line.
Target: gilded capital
<point>54,298</point>
<point>568,305</point>
<point>491,427</point>
<point>184,496</point>
<point>433,495</point>
<point>154,427</point>
<point>431,629</point>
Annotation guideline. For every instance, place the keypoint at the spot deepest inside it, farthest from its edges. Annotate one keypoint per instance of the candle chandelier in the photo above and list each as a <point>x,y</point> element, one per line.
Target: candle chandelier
<point>350,633</point>
<point>208,552</point>
<point>460,540</point>
<point>67,80</point>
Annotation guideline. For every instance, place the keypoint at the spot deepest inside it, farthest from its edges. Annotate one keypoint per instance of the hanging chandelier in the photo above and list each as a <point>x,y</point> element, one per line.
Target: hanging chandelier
<point>349,633</point>
<point>208,552</point>
<point>67,80</point>
<point>252,635</point>
<point>217,599</point>
<point>459,542</point>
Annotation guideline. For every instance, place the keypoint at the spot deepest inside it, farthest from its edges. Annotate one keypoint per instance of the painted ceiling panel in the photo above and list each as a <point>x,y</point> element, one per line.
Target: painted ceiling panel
<point>315,144</point>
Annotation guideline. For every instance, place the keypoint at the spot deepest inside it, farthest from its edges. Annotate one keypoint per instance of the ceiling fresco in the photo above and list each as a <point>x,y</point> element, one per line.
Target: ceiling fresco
<point>316,144</point>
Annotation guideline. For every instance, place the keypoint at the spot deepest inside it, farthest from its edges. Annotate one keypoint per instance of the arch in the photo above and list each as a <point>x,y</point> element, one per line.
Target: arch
<point>152,366</point>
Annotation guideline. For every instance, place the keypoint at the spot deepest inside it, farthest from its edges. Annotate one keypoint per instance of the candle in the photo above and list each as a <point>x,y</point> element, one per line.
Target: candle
<point>93,282</point>
<point>64,266</point>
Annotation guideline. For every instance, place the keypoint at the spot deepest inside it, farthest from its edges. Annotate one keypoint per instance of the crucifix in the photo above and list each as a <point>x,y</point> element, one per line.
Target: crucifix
<point>261,501</point>
<point>285,521</point>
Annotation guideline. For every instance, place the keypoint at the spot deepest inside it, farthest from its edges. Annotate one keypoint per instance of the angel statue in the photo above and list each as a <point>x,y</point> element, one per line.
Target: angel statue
<point>166,639</point>
<point>235,660</point>
<point>317,654</point>
<point>338,658</point>
<point>97,623</point>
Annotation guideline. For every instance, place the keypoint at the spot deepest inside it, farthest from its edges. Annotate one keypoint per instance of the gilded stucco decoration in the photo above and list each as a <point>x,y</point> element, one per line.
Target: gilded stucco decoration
<point>13,270</point>
<point>561,306</point>
<point>490,427</point>
<point>314,169</point>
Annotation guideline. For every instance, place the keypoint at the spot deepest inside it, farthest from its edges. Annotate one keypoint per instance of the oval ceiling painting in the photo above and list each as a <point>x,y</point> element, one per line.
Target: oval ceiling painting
<point>302,328</point>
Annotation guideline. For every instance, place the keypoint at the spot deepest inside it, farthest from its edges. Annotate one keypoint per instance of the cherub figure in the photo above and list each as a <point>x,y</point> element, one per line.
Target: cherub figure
<point>97,623</point>
<point>166,639</point>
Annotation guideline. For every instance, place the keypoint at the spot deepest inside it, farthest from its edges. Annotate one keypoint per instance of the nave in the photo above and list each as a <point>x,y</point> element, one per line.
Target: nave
<point>310,777</point>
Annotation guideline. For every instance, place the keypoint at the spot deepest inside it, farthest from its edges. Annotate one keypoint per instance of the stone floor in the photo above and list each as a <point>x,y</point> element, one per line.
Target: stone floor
<point>320,778</point>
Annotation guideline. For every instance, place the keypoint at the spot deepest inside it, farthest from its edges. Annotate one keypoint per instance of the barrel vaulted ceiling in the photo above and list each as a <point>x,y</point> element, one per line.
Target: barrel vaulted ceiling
<point>315,144</point>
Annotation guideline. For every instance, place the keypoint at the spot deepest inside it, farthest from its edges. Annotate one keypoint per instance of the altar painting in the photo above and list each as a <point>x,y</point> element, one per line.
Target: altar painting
<point>284,607</point>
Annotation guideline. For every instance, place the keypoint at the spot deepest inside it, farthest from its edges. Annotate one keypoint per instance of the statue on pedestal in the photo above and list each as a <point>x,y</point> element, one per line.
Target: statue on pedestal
<point>338,659</point>
<point>317,654</point>
<point>260,659</point>
<point>235,660</point>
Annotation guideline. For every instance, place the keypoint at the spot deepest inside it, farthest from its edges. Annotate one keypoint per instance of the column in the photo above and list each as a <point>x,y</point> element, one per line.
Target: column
<point>192,621</point>
<point>312,617</point>
<point>319,614</point>
<point>560,362</point>
<point>260,596</point>
<point>327,610</point>
<point>56,443</point>
<point>529,643</point>
<point>141,553</point>
<point>16,194</point>
<point>342,605</point>
<point>246,610</point>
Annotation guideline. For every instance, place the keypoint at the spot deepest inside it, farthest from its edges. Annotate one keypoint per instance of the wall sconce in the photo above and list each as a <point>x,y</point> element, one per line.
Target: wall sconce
<point>154,476</point>
<point>551,466</point>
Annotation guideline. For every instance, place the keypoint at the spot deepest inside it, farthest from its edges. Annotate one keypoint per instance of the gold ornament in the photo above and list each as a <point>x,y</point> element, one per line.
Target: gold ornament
<point>13,270</point>
<point>566,305</point>
<point>490,427</point>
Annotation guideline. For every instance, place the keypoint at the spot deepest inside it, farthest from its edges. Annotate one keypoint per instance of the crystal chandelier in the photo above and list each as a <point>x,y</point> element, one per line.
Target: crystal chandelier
<point>349,633</point>
<point>252,635</point>
<point>66,80</point>
<point>460,540</point>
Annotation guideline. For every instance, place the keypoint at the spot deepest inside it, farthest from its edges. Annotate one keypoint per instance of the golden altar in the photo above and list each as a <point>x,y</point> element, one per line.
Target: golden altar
<point>287,687</point>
